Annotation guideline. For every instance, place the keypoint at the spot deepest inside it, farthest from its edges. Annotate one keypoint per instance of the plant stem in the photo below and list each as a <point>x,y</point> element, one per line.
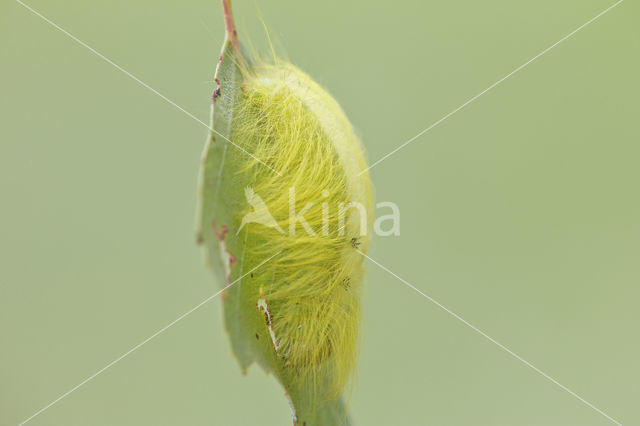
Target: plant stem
<point>230,27</point>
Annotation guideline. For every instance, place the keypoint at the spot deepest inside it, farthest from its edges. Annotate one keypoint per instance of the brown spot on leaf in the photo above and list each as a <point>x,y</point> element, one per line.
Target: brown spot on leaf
<point>228,259</point>
<point>216,93</point>
<point>355,242</point>
<point>221,232</point>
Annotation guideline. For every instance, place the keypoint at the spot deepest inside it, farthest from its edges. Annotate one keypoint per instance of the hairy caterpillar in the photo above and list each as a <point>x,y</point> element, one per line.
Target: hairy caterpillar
<point>282,176</point>
<point>313,290</point>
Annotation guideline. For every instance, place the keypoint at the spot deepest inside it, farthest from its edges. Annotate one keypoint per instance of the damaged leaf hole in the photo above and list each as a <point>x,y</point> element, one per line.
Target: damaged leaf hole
<point>264,308</point>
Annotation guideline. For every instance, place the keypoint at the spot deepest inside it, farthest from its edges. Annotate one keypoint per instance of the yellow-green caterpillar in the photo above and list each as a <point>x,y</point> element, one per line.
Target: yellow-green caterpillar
<point>314,288</point>
<point>281,174</point>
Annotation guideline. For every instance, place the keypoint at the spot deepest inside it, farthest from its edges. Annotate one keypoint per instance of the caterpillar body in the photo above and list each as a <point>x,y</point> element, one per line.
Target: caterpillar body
<point>282,180</point>
<point>314,285</point>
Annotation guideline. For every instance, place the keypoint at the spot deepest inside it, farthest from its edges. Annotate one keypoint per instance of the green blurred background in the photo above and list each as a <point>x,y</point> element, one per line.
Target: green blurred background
<point>520,212</point>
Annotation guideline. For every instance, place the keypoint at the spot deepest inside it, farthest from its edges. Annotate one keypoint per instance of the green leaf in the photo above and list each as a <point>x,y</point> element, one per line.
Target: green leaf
<point>221,198</point>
